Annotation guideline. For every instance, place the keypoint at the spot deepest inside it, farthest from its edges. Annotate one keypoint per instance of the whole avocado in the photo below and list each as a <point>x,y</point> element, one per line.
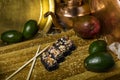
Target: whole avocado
<point>99,62</point>
<point>98,46</point>
<point>30,29</point>
<point>11,36</point>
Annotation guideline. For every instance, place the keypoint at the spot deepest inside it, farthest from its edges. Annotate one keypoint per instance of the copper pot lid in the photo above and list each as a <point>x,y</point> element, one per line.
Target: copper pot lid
<point>72,9</point>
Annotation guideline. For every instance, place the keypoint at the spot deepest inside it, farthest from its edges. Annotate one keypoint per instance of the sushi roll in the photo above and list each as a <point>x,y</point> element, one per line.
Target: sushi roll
<point>60,41</point>
<point>65,45</point>
<point>70,45</point>
<point>48,61</point>
<point>62,49</point>
<point>56,53</point>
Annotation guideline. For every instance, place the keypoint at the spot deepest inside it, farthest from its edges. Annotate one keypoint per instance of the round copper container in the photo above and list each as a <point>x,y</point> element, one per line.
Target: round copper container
<point>14,13</point>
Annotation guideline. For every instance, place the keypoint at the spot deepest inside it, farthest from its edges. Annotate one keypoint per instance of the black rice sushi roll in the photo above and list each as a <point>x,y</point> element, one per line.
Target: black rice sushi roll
<point>56,53</point>
<point>48,61</point>
<point>69,45</point>
<point>66,42</point>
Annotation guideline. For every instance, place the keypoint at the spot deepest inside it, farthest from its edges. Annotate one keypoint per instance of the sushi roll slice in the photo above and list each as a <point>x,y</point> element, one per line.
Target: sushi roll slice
<point>60,42</point>
<point>69,44</point>
<point>48,61</point>
<point>62,48</point>
<point>65,45</point>
<point>56,53</point>
<point>66,42</point>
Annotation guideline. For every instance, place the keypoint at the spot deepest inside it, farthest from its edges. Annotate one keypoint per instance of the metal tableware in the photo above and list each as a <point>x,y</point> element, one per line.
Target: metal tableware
<point>14,13</point>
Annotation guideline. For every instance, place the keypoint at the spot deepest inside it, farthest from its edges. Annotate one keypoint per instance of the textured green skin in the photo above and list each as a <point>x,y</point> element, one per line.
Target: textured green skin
<point>11,36</point>
<point>30,29</point>
<point>97,46</point>
<point>99,62</point>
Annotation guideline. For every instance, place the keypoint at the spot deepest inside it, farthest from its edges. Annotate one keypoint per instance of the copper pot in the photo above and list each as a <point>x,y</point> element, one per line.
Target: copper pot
<point>67,12</point>
<point>107,11</point>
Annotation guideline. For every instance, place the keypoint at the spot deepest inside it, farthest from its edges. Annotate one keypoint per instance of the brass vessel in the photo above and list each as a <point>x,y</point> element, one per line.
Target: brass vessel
<point>14,13</point>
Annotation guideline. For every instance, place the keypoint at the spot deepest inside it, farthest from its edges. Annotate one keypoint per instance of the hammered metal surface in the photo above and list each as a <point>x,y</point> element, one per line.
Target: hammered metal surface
<point>14,13</point>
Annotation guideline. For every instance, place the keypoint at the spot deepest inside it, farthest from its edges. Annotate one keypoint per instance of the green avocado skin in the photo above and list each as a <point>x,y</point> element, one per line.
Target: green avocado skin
<point>11,36</point>
<point>30,29</point>
<point>99,62</point>
<point>97,46</point>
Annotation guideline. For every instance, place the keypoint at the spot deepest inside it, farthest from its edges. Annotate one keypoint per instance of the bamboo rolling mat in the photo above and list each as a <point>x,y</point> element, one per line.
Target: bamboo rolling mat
<point>14,56</point>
